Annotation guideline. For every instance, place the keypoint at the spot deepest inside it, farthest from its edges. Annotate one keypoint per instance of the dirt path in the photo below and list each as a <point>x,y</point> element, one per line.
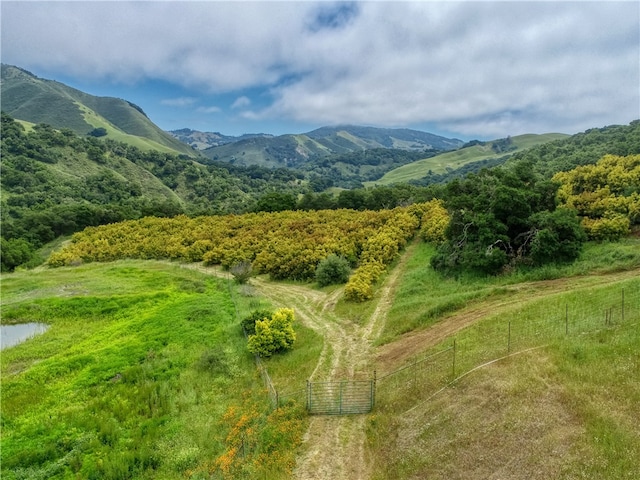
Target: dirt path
<point>334,446</point>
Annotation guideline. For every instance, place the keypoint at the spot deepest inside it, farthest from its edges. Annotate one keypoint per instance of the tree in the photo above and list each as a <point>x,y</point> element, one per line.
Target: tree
<point>98,132</point>
<point>558,236</point>
<point>15,252</point>
<point>276,202</point>
<point>502,217</point>
<point>333,270</point>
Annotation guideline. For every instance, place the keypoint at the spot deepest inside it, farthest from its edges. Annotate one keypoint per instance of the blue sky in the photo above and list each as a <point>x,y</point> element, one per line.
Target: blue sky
<point>472,69</point>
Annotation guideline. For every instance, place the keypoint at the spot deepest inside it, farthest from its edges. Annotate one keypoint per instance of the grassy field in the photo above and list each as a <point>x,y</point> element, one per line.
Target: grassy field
<point>114,133</point>
<point>425,297</point>
<point>562,402</point>
<point>456,159</point>
<point>144,373</point>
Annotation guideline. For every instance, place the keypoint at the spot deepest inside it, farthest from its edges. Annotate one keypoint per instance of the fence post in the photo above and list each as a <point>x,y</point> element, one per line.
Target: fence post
<point>454,358</point>
<point>373,390</point>
<point>566,319</point>
<point>623,305</point>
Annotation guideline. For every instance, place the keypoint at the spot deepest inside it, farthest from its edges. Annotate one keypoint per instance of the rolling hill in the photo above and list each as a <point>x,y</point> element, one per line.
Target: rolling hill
<point>473,152</point>
<point>36,100</point>
<point>298,151</point>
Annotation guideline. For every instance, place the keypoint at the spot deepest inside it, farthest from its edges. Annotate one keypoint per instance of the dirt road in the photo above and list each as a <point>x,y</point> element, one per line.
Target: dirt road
<point>334,446</point>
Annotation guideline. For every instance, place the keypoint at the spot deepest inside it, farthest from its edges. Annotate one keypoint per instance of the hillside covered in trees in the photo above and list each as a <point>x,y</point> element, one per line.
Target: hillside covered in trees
<point>55,183</point>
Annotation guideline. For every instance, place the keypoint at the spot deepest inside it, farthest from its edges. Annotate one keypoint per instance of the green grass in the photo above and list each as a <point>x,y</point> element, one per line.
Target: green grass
<point>424,296</point>
<point>458,158</point>
<point>115,133</point>
<point>143,373</point>
<point>566,409</point>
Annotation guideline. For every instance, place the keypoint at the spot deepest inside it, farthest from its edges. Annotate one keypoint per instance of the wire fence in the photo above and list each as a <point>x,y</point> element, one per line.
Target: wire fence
<point>530,326</point>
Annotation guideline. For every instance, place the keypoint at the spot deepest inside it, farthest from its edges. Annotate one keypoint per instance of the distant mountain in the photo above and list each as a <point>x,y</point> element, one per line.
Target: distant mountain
<point>306,150</point>
<point>341,139</point>
<point>32,99</point>
<point>204,140</point>
<point>336,138</point>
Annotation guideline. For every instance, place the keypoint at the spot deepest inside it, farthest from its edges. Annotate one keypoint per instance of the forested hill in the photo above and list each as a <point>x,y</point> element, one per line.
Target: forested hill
<point>302,151</point>
<point>584,148</point>
<point>54,182</point>
<point>36,100</point>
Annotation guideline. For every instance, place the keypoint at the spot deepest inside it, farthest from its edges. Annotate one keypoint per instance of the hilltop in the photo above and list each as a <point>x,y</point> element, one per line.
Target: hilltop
<point>36,100</point>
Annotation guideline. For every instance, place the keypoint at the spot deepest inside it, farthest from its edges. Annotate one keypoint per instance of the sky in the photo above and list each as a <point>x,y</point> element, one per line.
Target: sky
<point>469,69</point>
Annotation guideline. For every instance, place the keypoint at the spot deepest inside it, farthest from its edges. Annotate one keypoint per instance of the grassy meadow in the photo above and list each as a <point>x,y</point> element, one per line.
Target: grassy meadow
<point>561,401</point>
<point>144,373</point>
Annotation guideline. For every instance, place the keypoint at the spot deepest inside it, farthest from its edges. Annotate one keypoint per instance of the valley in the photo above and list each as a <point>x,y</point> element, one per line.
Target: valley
<point>487,291</point>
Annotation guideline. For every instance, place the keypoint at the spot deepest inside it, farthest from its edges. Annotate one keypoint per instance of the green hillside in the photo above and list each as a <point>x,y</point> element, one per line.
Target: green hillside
<point>303,150</point>
<point>36,100</point>
<point>54,182</point>
<point>450,161</point>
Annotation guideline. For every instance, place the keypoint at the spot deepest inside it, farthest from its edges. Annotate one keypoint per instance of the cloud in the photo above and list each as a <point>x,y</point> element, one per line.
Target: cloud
<point>478,68</point>
<point>212,109</point>
<point>241,102</point>
<point>178,102</point>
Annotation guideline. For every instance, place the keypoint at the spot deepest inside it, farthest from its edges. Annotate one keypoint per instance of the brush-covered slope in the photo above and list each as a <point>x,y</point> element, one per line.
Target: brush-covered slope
<point>203,140</point>
<point>36,100</point>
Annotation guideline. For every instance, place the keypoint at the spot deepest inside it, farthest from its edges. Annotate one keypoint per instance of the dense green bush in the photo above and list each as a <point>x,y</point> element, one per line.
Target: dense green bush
<point>249,323</point>
<point>273,335</point>
<point>333,270</point>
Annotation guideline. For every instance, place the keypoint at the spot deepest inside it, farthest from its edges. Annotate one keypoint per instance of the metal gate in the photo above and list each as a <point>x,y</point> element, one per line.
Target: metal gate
<point>340,398</point>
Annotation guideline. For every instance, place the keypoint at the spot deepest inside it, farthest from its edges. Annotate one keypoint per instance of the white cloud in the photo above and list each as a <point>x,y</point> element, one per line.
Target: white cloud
<point>483,68</point>
<point>179,102</point>
<point>241,102</point>
<point>212,109</point>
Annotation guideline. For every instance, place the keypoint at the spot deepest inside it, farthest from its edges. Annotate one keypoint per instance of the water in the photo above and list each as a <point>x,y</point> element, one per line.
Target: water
<point>11,335</point>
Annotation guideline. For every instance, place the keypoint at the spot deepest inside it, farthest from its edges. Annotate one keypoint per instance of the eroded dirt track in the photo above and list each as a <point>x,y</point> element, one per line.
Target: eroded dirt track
<point>389,357</point>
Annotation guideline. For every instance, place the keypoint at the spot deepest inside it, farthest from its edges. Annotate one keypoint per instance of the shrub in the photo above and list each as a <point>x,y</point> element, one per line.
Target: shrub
<point>360,285</point>
<point>333,270</point>
<point>434,222</point>
<point>249,323</point>
<point>214,361</point>
<point>242,271</point>
<point>273,335</point>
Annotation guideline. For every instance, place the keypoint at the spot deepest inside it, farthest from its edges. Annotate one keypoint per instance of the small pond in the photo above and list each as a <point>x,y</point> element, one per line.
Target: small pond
<point>11,335</point>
